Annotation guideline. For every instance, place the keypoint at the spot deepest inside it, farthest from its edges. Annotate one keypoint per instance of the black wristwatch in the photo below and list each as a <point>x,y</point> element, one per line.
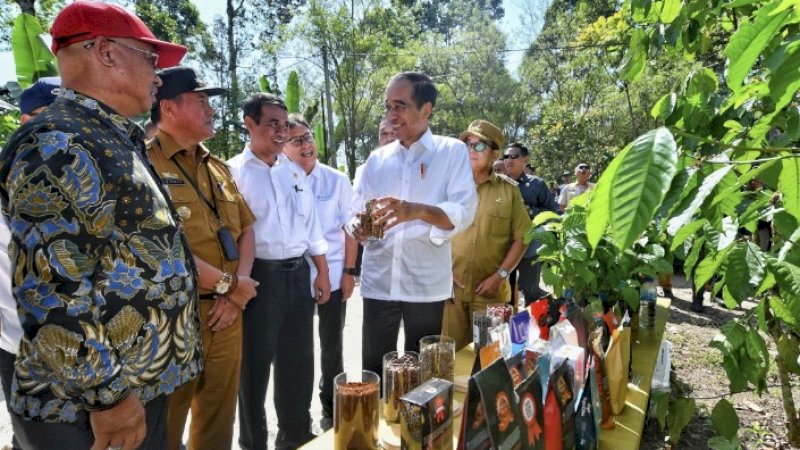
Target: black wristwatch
<point>351,271</point>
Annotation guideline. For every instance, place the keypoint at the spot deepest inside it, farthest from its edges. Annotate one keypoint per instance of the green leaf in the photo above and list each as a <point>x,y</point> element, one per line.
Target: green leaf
<point>600,204</point>
<point>293,93</point>
<point>263,83</point>
<point>784,78</point>
<point>708,267</point>
<point>720,443</point>
<point>750,40</point>
<point>641,182</point>
<point>32,57</point>
<point>761,313</point>
<point>738,3</point>
<point>789,245</point>
<point>691,259</point>
<point>788,312</point>
<point>724,419</point>
<point>660,401</point>
<point>636,56</point>
<point>756,371</point>
<point>708,185</point>
<point>543,217</point>
<point>790,186</point>
<point>736,378</point>
<point>681,413</point>
<point>664,106</point>
<point>788,277</point>
<point>319,139</point>
<point>789,351</point>
<point>670,11</point>
<point>745,270</point>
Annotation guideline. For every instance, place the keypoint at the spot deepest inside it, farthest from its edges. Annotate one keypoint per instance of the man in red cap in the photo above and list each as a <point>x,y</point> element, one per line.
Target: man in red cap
<point>102,275</point>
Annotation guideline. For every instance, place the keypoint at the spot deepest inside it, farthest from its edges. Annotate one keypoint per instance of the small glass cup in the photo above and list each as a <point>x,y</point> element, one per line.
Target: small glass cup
<point>437,355</point>
<point>401,374</point>
<point>371,231</point>
<point>355,410</point>
<point>482,322</point>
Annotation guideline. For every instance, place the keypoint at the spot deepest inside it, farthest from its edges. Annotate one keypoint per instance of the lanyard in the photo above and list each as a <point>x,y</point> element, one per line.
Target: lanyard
<point>212,204</point>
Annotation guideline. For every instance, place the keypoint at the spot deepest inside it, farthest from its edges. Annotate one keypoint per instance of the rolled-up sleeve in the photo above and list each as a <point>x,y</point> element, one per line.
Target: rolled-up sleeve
<point>461,196</point>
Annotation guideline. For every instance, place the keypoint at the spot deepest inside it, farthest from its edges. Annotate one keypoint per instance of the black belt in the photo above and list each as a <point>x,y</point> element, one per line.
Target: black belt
<point>281,264</point>
<point>208,296</point>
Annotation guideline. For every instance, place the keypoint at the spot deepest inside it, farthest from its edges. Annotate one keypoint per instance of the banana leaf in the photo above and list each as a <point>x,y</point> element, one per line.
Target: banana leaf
<point>31,56</point>
<point>319,138</point>
<point>293,93</point>
<point>264,84</point>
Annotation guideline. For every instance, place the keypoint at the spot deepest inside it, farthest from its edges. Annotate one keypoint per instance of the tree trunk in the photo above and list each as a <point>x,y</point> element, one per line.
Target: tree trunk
<point>792,419</point>
<point>27,6</point>
<point>233,94</point>
<point>331,150</point>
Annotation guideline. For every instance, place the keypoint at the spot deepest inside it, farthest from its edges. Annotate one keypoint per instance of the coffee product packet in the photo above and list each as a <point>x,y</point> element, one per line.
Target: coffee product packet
<point>585,431</point>
<point>499,401</point>
<point>561,383</point>
<point>474,433</point>
<point>502,335</point>
<point>489,354</point>
<point>617,361</point>
<point>426,421</point>
<point>531,412</point>
<point>520,324</point>
<point>516,368</point>
<point>604,394</point>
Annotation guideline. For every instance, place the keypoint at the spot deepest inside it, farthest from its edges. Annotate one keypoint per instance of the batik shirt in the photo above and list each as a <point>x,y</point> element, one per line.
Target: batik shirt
<point>101,273</point>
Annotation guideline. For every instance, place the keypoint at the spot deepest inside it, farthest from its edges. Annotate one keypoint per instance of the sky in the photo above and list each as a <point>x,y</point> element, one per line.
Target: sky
<point>210,8</point>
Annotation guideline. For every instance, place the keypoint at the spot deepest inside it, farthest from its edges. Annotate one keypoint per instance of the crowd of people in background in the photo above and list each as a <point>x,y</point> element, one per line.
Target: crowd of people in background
<point>146,279</point>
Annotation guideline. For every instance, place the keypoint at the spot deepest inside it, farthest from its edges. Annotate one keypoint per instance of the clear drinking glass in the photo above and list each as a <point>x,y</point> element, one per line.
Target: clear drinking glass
<point>401,374</point>
<point>437,355</point>
<point>355,410</point>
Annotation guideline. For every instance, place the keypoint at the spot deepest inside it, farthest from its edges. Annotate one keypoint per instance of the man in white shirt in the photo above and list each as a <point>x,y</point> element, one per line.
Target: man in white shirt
<point>278,322</point>
<point>423,186</point>
<point>572,190</point>
<point>333,195</point>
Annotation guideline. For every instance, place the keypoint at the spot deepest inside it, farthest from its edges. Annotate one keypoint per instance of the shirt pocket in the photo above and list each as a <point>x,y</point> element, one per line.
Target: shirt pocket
<point>303,201</point>
<point>187,205</point>
<point>228,207</point>
<point>499,219</point>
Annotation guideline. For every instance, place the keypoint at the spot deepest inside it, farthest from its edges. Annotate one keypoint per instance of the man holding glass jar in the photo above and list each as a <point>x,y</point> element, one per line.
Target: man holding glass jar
<point>424,196</point>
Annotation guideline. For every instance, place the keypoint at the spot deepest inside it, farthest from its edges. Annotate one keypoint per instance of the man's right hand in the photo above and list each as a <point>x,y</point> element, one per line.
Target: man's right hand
<point>245,290</point>
<point>358,232</point>
<point>122,426</point>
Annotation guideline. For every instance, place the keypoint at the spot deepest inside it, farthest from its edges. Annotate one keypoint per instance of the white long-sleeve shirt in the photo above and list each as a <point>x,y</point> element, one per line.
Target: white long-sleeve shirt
<point>413,261</point>
<point>9,320</point>
<point>281,198</point>
<point>333,195</point>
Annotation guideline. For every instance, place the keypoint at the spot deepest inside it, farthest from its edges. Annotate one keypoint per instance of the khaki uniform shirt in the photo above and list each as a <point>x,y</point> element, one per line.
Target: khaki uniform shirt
<point>199,222</point>
<point>478,251</point>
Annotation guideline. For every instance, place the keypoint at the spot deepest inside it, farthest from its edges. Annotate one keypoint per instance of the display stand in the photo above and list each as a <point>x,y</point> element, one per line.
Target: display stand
<point>628,431</point>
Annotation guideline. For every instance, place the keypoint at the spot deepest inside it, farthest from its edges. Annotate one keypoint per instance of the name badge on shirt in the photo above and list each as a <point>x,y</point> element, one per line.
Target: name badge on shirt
<point>324,197</point>
<point>169,178</point>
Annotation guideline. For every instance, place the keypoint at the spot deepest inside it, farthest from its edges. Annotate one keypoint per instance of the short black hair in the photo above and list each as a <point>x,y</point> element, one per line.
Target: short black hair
<point>423,90</point>
<point>155,112</point>
<point>522,149</point>
<point>253,105</point>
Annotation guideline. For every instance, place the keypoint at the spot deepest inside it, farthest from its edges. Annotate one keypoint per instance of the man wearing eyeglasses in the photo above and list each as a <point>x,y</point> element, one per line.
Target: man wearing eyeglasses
<point>489,249</point>
<point>218,223</point>
<point>572,190</point>
<point>102,276</point>
<point>537,198</point>
<point>279,322</point>
<point>423,187</point>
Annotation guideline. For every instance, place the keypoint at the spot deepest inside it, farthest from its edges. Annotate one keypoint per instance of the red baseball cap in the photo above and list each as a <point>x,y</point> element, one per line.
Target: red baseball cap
<point>85,20</point>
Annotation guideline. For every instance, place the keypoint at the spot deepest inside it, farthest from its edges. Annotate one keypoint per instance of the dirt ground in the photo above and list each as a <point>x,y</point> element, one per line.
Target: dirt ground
<point>697,373</point>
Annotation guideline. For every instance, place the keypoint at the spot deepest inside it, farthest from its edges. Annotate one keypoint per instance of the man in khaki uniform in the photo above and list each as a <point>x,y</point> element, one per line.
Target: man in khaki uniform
<point>492,246</point>
<point>218,223</point>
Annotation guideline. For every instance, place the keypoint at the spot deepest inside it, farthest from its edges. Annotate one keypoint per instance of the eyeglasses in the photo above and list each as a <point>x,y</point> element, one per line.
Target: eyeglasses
<point>395,108</point>
<point>151,56</point>
<point>478,146</point>
<point>277,125</point>
<point>299,140</point>
<point>513,156</point>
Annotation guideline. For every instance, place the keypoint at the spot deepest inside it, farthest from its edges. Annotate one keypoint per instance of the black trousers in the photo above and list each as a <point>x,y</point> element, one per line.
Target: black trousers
<point>33,435</point>
<point>382,325</point>
<point>331,324</point>
<point>278,327</point>
<point>6,375</point>
<point>530,271</point>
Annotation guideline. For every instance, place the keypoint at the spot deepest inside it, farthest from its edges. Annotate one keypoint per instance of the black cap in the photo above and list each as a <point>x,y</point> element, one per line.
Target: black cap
<point>177,80</point>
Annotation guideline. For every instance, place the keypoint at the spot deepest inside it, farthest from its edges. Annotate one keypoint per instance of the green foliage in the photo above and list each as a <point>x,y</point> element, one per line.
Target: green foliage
<point>32,57</point>
<point>293,93</point>
<point>9,122</point>
<point>724,419</point>
<point>681,412</point>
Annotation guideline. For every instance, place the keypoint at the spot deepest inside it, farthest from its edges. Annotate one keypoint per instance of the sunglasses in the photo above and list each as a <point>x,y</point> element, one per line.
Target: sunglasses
<point>478,146</point>
<point>299,140</point>
<point>512,156</point>
<point>151,56</point>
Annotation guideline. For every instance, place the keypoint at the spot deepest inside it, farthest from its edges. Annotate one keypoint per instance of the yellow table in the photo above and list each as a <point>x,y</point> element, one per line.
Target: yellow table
<point>628,432</point>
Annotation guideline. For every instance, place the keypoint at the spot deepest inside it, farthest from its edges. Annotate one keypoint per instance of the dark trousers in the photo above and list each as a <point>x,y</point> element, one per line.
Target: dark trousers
<point>530,271</point>
<point>331,323</point>
<point>33,435</point>
<point>278,328</point>
<point>6,375</point>
<point>382,325</point>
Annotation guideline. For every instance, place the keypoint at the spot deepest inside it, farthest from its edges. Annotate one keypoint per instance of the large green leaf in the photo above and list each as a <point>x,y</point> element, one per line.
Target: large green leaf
<point>745,270</point>
<point>641,181</point>
<point>31,56</point>
<point>293,93</point>
<point>543,217</point>
<point>636,56</point>
<point>750,40</point>
<point>788,277</point>
<point>789,184</point>
<point>664,106</point>
<point>681,412</point>
<point>319,139</point>
<point>724,419</point>
<point>597,216</point>
<point>263,84</point>
<point>784,78</point>
<point>670,11</point>
<point>708,185</point>
<point>685,232</point>
<point>708,267</point>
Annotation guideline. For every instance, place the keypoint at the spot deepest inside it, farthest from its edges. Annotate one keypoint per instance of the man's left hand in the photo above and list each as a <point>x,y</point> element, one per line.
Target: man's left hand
<point>488,287</point>
<point>322,289</point>
<point>348,284</point>
<point>223,313</point>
